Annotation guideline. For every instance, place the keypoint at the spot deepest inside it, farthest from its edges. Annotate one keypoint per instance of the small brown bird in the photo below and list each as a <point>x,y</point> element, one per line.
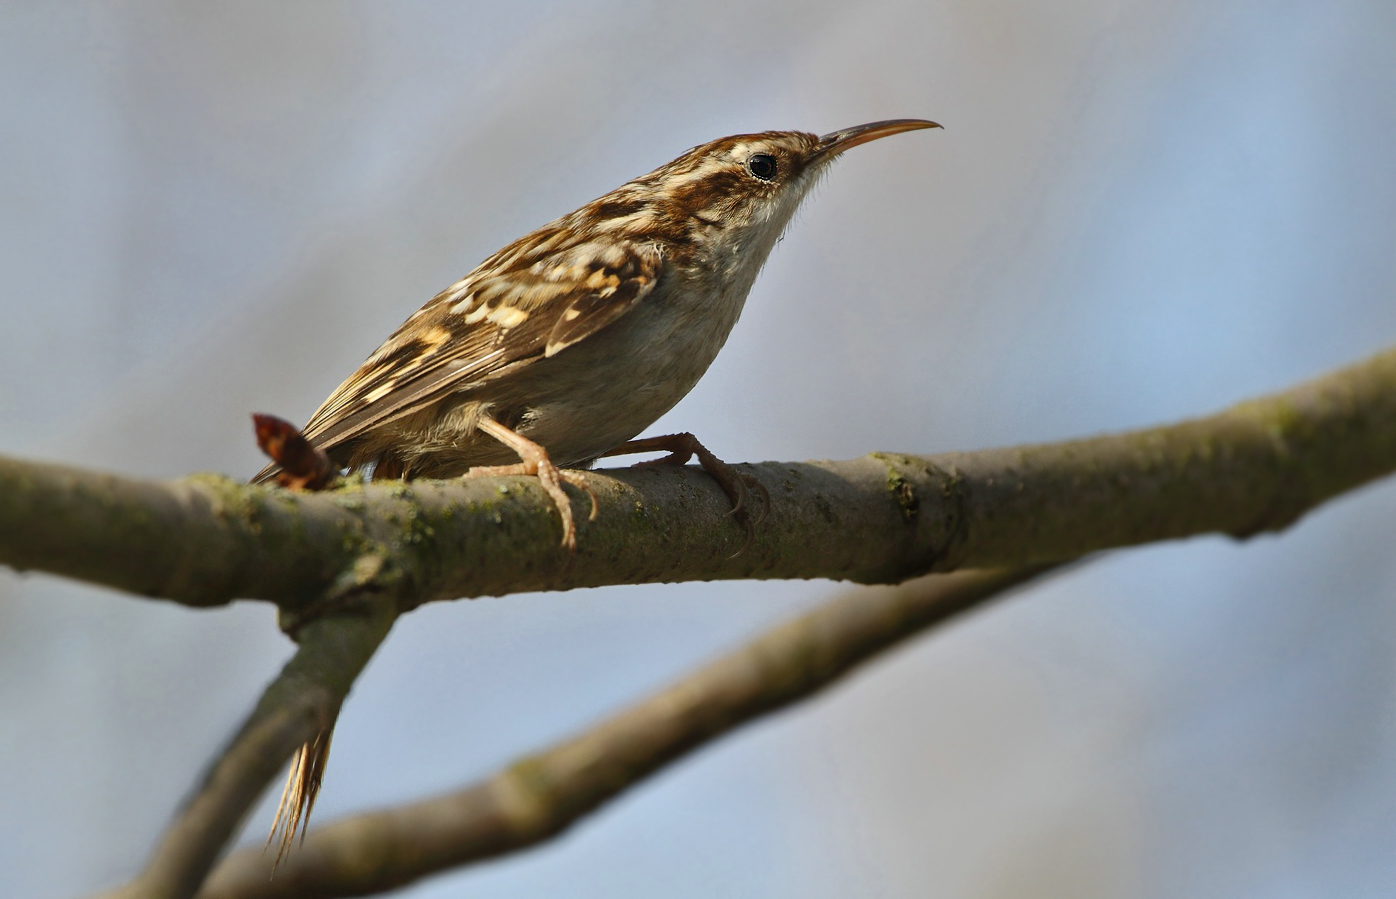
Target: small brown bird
<point>561,347</point>
<point>564,345</point>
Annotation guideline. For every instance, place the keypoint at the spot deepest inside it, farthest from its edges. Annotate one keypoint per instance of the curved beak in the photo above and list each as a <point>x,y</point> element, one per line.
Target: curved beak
<point>834,143</point>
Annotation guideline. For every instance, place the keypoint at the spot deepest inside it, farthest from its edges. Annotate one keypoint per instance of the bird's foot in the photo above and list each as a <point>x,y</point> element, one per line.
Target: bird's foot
<point>737,486</point>
<point>537,463</point>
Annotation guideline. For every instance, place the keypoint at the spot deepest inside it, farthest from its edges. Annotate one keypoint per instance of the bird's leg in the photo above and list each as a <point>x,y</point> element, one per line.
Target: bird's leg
<point>681,448</point>
<point>536,462</point>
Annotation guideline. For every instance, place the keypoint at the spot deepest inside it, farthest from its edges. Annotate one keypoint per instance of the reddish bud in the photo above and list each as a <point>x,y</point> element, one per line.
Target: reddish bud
<point>304,466</point>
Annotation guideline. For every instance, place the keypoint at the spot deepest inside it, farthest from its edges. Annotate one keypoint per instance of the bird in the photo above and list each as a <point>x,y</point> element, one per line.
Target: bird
<point>563,346</point>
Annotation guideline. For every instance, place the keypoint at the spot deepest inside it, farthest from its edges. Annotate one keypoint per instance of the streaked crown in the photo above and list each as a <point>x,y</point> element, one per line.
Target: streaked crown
<point>738,191</point>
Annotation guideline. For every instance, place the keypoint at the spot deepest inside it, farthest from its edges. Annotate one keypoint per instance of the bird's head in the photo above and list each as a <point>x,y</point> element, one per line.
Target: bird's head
<point>727,201</point>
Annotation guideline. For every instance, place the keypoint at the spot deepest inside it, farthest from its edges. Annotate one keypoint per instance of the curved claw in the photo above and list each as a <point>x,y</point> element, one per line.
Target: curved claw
<point>739,508</point>
<point>748,482</point>
<point>738,501</point>
<point>576,480</point>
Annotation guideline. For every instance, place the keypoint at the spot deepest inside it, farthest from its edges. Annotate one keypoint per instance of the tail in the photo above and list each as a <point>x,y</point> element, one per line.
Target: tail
<point>298,796</point>
<point>298,464</point>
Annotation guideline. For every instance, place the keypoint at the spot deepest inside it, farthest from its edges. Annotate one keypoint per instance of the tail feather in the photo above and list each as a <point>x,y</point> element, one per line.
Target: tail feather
<point>298,796</point>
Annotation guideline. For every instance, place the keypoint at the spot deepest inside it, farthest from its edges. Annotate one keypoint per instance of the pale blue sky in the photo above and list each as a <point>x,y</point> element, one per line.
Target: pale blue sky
<point>1136,212</point>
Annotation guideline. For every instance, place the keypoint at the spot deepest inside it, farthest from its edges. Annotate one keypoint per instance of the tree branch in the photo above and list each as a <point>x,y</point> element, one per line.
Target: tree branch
<point>301,702</point>
<point>326,557</point>
<point>543,794</point>
<point>205,540</point>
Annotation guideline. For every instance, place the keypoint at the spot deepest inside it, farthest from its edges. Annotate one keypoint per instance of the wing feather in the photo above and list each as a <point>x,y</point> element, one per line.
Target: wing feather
<point>546,299</point>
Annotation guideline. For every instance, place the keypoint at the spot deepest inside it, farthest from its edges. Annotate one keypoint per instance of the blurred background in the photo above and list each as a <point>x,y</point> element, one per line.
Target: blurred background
<point>1137,212</point>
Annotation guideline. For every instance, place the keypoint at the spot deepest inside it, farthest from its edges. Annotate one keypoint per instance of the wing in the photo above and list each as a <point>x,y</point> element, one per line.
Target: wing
<point>532,299</point>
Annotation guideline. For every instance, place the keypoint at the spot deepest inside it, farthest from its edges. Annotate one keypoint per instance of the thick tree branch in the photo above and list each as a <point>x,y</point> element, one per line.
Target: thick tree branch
<point>543,794</point>
<point>203,541</point>
<point>301,702</point>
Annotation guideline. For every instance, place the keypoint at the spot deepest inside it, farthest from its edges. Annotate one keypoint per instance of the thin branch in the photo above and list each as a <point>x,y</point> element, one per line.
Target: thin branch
<point>300,703</point>
<point>202,541</point>
<point>543,794</point>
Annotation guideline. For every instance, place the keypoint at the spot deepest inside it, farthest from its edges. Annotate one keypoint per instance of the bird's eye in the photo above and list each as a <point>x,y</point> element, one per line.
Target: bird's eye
<point>762,165</point>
